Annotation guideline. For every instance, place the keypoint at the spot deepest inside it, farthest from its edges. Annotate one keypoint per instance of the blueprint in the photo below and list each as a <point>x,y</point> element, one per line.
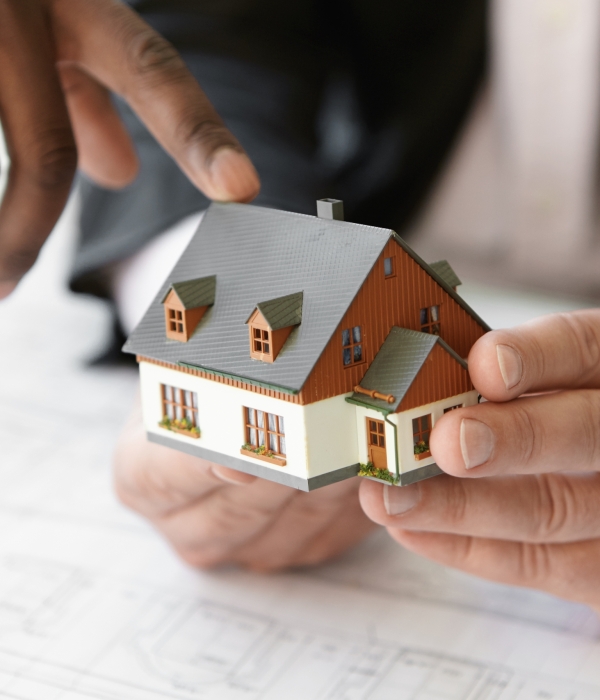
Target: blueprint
<point>94,605</point>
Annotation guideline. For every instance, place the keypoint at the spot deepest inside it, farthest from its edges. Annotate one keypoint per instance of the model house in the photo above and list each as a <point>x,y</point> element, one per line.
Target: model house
<point>298,348</point>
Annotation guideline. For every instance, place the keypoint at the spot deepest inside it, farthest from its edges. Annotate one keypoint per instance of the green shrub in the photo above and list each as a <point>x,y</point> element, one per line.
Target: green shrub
<point>383,474</point>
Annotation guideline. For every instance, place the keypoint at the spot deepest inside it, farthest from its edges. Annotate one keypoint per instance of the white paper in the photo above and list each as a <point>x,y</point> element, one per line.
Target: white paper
<point>93,604</point>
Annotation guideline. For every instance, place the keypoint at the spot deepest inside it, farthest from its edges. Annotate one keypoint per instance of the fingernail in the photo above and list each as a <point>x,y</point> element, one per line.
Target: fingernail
<point>476,442</point>
<point>233,176</point>
<point>6,288</point>
<point>400,499</point>
<point>511,365</point>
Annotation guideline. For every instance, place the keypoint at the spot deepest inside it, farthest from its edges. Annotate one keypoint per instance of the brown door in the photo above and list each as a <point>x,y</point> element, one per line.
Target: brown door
<point>376,442</point>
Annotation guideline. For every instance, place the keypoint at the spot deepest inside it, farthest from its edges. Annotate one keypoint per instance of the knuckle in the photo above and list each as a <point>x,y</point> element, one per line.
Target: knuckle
<point>229,521</point>
<point>525,434</point>
<point>210,132</point>
<point>583,329</point>
<point>553,508</point>
<point>151,57</point>
<point>456,502</point>
<point>51,160</point>
<point>590,432</point>
<point>534,562</point>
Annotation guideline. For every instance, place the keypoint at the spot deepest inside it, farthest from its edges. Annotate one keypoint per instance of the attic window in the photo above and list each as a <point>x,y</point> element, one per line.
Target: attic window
<point>176,321</point>
<point>352,350</point>
<point>185,304</point>
<point>430,320</point>
<point>271,323</point>
<point>261,341</point>
<point>388,267</point>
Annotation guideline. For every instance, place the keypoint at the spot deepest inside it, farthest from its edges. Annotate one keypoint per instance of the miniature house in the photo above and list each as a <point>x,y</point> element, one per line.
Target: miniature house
<point>298,348</point>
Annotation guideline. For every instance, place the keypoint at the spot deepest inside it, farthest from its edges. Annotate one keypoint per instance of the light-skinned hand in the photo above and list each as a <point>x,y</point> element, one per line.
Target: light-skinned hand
<point>58,61</point>
<point>522,502</point>
<point>213,515</point>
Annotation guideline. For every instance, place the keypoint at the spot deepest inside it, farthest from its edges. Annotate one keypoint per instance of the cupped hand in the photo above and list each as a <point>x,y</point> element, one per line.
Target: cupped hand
<point>525,508</point>
<point>213,515</point>
<point>58,61</point>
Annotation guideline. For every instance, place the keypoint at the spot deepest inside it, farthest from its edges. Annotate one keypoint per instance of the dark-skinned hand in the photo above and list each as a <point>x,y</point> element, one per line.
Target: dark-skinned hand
<point>59,61</point>
<point>525,508</point>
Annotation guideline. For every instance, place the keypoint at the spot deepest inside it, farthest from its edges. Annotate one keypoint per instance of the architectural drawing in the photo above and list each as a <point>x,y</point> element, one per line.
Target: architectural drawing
<point>163,645</point>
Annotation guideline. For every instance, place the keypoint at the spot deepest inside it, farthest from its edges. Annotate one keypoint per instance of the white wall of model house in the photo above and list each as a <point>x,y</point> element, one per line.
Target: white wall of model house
<point>320,437</point>
<point>403,422</point>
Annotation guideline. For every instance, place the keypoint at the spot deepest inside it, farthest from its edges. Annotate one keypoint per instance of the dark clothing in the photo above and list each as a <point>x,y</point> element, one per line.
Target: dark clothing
<point>355,99</point>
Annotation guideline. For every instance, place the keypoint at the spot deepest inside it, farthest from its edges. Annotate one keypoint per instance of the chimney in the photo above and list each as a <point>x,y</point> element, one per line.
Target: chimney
<point>330,209</point>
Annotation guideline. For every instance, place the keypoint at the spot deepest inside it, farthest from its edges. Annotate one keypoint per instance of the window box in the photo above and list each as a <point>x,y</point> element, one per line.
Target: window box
<point>422,455</point>
<point>262,454</point>
<point>183,427</point>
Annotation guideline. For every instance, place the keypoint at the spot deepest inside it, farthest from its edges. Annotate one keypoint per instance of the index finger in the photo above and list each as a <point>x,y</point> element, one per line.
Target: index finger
<point>550,353</point>
<point>125,54</point>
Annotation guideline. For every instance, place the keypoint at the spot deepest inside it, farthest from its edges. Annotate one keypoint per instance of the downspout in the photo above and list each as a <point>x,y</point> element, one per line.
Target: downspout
<point>395,427</point>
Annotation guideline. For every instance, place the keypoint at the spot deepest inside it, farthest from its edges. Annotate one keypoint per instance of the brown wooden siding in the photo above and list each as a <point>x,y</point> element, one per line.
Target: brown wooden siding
<point>440,377</point>
<point>292,398</point>
<point>380,304</point>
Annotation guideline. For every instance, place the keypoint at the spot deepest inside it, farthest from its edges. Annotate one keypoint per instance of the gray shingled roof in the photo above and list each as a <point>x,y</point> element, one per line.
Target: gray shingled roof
<point>259,254</point>
<point>195,293</point>
<point>396,366</point>
<point>282,312</point>
<point>445,271</point>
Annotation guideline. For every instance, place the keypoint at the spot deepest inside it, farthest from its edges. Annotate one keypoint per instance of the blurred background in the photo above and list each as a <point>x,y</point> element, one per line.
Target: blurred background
<point>518,201</point>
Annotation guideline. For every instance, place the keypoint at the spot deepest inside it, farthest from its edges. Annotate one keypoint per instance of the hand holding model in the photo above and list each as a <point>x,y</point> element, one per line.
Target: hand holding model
<point>524,509</point>
<point>70,54</point>
<point>213,515</point>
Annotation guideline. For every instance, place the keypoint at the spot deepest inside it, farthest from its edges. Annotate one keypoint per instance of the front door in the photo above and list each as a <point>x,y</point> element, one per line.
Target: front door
<point>376,442</point>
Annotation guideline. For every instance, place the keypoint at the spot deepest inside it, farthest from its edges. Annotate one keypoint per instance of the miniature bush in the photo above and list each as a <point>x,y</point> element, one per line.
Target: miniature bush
<point>383,474</point>
<point>261,450</point>
<point>183,424</point>
<point>421,447</point>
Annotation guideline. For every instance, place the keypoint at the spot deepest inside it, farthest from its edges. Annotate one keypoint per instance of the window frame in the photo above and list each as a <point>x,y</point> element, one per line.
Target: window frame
<point>266,338</point>
<point>422,431</point>
<point>352,344</point>
<point>429,324</point>
<point>179,403</point>
<point>278,432</point>
<point>392,259</point>
<point>449,409</point>
<point>176,317</point>
<point>379,434</point>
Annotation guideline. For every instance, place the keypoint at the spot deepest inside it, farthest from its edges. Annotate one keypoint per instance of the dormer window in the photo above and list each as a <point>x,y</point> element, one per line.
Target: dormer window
<point>175,322</point>
<point>261,343</point>
<point>185,304</point>
<point>271,323</point>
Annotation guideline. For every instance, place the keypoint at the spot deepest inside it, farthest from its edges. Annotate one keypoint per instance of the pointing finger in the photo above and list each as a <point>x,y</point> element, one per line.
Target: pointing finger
<point>117,48</point>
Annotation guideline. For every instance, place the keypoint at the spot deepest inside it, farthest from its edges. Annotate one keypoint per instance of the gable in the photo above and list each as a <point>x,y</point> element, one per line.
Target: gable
<point>386,302</point>
<point>440,377</point>
<point>173,301</point>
